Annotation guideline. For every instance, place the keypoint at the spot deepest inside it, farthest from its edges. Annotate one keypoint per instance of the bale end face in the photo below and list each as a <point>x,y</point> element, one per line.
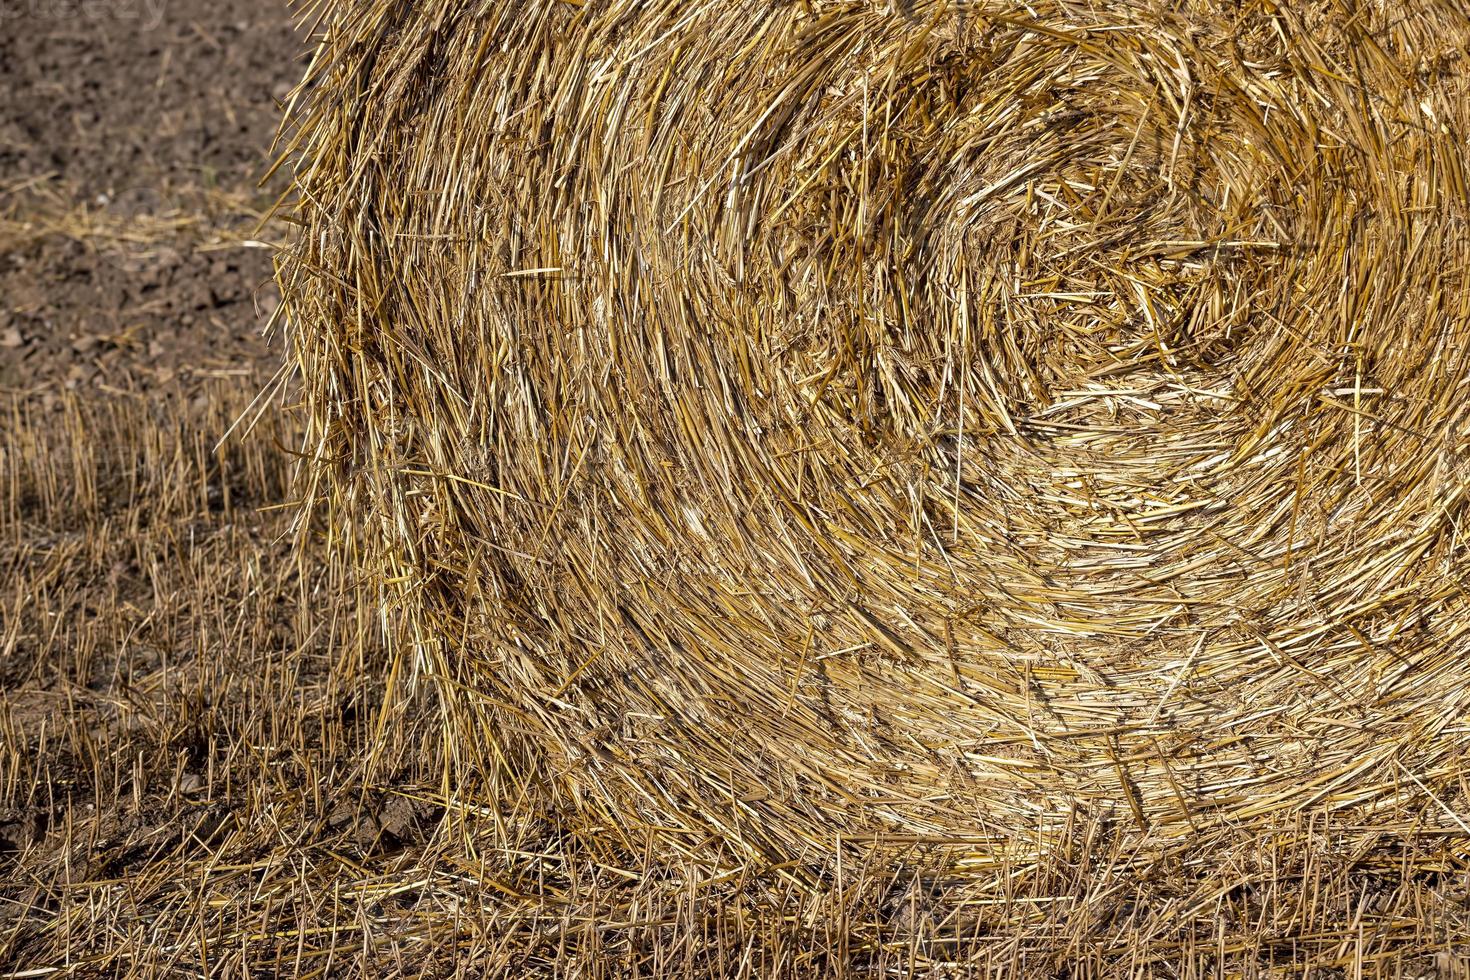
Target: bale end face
<point>781,424</point>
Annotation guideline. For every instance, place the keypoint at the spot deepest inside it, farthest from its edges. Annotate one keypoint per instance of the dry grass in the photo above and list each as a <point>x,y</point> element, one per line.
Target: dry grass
<point>1010,456</point>
<point>209,218</point>
<point>174,740</point>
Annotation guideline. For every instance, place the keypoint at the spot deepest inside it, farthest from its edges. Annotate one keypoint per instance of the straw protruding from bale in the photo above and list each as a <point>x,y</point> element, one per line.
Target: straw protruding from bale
<point>771,424</point>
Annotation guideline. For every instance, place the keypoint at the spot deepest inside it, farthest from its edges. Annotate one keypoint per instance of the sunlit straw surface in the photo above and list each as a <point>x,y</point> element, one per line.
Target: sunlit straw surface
<point>779,428</point>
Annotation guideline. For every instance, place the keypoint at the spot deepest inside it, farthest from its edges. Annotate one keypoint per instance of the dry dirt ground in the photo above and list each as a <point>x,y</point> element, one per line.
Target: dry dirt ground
<point>198,776</point>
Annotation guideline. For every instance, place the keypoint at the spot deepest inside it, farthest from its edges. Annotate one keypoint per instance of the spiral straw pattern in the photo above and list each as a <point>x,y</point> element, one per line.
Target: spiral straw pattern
<point>773,424</point>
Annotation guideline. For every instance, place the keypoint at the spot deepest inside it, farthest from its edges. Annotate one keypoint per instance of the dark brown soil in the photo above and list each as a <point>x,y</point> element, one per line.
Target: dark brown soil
<point>133,135</point>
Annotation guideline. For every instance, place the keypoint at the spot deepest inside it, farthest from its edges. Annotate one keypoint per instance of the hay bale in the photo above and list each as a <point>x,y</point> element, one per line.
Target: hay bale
<point>772,424</point>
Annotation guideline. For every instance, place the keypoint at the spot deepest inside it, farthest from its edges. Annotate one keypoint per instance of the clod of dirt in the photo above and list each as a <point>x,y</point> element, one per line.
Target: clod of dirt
<point>19,829</point>
<point>399,817</point>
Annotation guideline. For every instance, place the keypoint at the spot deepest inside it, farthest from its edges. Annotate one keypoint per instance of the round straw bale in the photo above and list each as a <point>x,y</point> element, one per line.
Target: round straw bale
<point>771,423</point>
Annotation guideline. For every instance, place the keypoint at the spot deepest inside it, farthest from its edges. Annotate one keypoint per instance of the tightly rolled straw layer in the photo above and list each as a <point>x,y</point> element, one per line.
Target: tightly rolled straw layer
<point>777,424</point>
